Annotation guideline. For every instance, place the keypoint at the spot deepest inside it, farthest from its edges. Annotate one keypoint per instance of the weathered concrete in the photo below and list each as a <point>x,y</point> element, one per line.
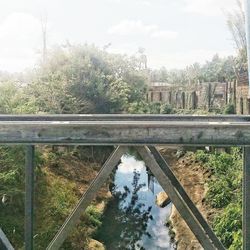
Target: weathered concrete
<point>204,95</point>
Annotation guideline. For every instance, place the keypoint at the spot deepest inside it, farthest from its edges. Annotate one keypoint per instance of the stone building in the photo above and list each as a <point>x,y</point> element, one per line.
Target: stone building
<point>204,95</point>
<point>242,101</point>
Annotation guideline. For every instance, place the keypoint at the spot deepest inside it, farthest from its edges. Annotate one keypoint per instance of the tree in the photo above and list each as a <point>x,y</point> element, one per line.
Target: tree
<point>85,79</point>
<point>236,25</point>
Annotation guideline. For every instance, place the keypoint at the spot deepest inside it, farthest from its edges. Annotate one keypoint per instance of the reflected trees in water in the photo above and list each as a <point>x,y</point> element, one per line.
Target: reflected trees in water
<point>126,218</point>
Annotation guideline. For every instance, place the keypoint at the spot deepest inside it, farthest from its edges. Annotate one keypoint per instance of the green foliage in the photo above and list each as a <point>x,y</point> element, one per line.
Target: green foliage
<point>228,225</point>
<point>93,216</point>
<point>225,194</point>
<point>85,79</point>
<point>201,156</point>
<point>229,109</point>
<point>219,193</point>
<point>166,109</point>
<point>150,108</point>
<point>154,108</point>
<point>13,99</point>
<point>217,70</point>
<point>138,108</point>
<point>220,163</point>
<point>54,201</point>
<point>236,25</point>
<point>12,187</point>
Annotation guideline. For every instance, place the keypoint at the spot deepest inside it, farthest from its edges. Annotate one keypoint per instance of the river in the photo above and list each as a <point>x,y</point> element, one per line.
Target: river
<point>132,220</point>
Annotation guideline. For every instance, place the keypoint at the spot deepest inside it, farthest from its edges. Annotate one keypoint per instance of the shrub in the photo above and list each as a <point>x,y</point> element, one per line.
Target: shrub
<point>220,163</point>
<point>228,224</point>
<point>219,193</point>
<point>166,109</point>
<point>225,194</point>
<point>201,156</point>
<point>93,216</point>
<point>229,109</point>
<point>155,108</point>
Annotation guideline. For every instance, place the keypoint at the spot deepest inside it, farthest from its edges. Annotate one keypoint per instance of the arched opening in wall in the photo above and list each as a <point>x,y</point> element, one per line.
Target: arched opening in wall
<point>248,105</point>
<point>160,96</point>
<point>194,100</point>
<point>241,106</point>
<point>170,97</point>
<point>183,104</point>
<point>152,96</point>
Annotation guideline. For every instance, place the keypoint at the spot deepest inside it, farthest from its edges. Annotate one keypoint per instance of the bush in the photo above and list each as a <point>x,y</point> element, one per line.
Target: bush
<point>225,194</point>
<point>229,109</point>
<point>155,108</point>
<point>201,156</point>
<point>219,193</point>
<point>93,216</point>
<point>228,225</point>
<point>166,109</point>
<point>138,108</point>
<point>220,163</point>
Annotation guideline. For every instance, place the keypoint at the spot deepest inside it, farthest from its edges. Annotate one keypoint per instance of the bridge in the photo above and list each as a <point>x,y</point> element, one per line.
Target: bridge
<point>144,133</point>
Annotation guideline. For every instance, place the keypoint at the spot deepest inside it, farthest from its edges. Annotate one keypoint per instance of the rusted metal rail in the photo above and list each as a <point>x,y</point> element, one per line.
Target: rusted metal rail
<point>143,132</point>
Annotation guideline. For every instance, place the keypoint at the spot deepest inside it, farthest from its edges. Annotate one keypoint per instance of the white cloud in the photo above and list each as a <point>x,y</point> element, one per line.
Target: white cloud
<point>132,27</point>
<point>137,2</point>
<point>129,164</point>
<point>19,40</point>
<point>144,2</point>
<point>209,7</point>
<point>164,34</point>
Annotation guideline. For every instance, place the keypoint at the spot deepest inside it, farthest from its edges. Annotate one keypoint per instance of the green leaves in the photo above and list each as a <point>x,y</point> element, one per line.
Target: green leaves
<point>219,194</point>
<point>85,79</point>
<point>225,194</point>
<point>228,224</point>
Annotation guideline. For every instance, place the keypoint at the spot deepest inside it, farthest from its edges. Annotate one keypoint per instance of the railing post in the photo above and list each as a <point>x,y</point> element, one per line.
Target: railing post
<point>246,199</point>
<point>29,192</point>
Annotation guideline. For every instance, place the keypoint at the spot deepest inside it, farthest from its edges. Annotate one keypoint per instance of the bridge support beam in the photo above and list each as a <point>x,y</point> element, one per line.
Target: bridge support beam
<point>246,198</point>
<point>87,197</point>
<point>179,197</point>
<point>169,183</point>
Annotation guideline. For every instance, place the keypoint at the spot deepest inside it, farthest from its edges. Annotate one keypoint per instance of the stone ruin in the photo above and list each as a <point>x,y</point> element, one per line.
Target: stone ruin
<point>204,95</point>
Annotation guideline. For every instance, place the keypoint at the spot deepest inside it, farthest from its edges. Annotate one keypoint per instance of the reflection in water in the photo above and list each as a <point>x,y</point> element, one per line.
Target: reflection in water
<point>132,220</point>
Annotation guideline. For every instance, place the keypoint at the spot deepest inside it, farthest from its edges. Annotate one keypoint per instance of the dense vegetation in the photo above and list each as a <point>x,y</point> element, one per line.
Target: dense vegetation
<point>217,70</point>
<point>55,196</point>
<point>224,195</point>
<point>74,79</point>
<point>84,79</point>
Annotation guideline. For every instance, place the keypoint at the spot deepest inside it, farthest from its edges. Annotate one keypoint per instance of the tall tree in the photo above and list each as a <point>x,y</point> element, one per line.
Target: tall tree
<point>236,25</point>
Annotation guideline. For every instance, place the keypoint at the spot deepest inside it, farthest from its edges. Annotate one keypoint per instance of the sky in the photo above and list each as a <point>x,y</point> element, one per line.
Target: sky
<point>174,33</point>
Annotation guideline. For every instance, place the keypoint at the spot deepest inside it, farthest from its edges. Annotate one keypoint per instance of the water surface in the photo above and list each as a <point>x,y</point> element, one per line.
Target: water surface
<point>132,220</point>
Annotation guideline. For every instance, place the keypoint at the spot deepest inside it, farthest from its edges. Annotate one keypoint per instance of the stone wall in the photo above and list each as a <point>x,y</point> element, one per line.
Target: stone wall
<point>203,95</point>
<point>242,102</point>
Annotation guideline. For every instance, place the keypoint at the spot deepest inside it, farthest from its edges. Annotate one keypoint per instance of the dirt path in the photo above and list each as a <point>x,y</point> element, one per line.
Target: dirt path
<point>192,177</point>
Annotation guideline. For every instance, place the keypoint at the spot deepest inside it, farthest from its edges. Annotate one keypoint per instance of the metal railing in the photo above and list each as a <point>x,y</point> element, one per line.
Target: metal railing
<point>143,132</point>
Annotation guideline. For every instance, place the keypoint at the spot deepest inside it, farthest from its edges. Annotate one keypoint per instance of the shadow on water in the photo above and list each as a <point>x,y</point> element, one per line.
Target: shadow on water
<point>132,220</point>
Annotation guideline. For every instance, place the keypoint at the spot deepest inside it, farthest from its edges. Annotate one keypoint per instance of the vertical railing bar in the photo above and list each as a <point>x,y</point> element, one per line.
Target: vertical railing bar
<point>29,194</point>
<point>246,198</point>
